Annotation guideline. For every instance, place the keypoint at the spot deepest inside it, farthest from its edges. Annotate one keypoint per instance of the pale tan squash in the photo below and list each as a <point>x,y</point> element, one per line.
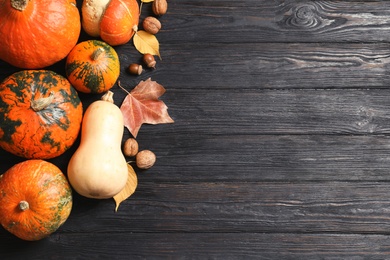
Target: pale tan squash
<point>98,168</point>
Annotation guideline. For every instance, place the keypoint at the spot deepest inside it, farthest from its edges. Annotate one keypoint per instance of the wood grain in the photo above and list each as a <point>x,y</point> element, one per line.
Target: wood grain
<point>239,207</point>
<point>280,146</point>
<point>275,66</point>
<point>273,158</point>
<point>279,21</point>
<point>256,111</point>
<point>244,207</point>
<point>204,245</point>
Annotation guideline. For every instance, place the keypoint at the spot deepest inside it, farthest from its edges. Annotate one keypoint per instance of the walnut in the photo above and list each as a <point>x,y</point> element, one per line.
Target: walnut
<point>159,7</point>
<point>151,25</point>
<point>130,147</point>
<point>145,159</point>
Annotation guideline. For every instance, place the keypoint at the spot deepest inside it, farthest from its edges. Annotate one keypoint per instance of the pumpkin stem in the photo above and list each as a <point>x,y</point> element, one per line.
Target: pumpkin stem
<point>23,205</point>
<point>19,5</point>
<point>95,55</point>
<point>108,97</point>
<point>41,103</point>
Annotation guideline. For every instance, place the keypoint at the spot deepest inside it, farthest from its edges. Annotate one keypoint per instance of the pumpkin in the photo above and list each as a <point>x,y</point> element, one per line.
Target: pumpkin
<point>40,114</point>
<point>104,173</point>
<point>37,33</point>
<point>92,66</point>
<point>35,199</point>
<point>114,21</point>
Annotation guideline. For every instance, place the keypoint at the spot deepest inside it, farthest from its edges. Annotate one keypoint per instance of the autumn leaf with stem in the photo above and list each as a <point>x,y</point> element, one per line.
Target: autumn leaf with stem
<point>146,42</point>
<point>142,106</point>
<point>143,41</point>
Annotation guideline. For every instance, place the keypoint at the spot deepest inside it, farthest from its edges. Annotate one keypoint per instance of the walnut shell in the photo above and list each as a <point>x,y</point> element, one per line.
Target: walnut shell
<point>145,159</point>
<point>130,147</point>
<point>159,7</point>
<point>151,25</point>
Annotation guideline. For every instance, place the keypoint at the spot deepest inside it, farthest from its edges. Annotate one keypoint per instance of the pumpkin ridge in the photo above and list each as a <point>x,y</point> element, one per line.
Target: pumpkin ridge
<point>127,9</point>
<point>91,80</point>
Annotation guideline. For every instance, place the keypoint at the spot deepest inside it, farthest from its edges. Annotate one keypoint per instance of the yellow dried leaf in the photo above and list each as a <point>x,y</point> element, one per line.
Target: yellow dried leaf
<point>147,1</point>
<point>146,42</point>
<point>129,189</point>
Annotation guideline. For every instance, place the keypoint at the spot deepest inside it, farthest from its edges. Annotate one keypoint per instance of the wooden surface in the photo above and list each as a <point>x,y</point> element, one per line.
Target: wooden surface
<point>280,147</point>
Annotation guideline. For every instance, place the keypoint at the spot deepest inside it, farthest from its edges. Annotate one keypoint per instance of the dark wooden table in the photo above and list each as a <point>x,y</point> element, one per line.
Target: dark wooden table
<point>280,147</point>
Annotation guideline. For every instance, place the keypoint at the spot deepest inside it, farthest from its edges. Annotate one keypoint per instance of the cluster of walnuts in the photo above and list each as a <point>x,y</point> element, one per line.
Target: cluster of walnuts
<point>144,159</point>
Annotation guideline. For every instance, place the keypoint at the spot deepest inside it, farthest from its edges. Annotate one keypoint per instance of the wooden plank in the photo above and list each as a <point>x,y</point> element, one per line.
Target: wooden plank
<point>189,158</point>
<point>277,21</point>
<point>256,111</point>
<point>199,246</point>
<point>278,134</point>
<point>238,207</point>
<point>269,158</point>
<point>280,145</point>
<point>273,66</point>
<point>257,65</point>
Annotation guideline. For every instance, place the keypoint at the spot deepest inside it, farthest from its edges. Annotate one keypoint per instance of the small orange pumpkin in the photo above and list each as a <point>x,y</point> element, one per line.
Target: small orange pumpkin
<point>92,66</point>
<point>114,21</point>
<point>117,24</point>
<point>40,114</point>
<point>35,199</point>
<point>37,33</point>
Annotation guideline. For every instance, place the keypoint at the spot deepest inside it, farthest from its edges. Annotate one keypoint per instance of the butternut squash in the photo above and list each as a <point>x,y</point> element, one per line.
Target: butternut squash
<point>98,168</point>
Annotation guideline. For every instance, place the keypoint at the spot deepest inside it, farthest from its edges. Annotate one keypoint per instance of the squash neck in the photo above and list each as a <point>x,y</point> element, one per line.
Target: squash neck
<point>19,5</point>
<point>108,97</point>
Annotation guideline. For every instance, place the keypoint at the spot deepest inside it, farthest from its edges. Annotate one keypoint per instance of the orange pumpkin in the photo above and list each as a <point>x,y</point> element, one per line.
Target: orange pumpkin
<point>114,21</point>
<point>40,114</point>
<point>35,199</point>
<point>37,33</point>
<point>92,66</point>
<point>116,26</point>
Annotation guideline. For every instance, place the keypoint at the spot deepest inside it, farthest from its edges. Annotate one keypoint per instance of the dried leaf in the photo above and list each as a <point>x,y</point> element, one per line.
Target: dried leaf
<point>146,42</point>
<point>142,105</point>
<point>129,189</point>
<point>147,1</point>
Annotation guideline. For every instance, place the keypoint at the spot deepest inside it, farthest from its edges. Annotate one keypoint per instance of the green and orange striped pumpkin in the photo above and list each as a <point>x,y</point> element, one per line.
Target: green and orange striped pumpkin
<point>40,114</point>
<point>92,66</point>
<point>35,199</point>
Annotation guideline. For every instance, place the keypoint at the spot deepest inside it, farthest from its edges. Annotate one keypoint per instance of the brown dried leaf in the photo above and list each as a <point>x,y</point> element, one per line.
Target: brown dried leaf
<point>129,189</point>
<point>142,105</point>
<point>146,42</point>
